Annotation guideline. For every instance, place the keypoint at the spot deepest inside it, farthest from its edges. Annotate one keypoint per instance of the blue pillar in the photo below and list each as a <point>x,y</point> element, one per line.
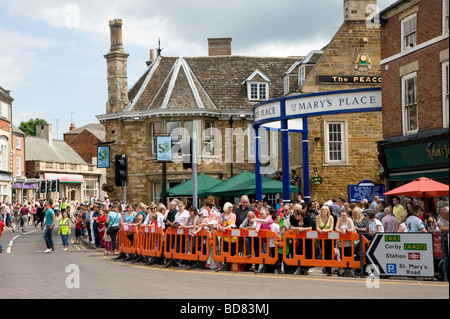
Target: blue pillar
<point>258,179</point>
<point>305,143</point>
<point>285,155</point>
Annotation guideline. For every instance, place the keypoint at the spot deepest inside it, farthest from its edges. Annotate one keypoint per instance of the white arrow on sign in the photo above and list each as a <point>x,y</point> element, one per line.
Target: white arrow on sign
<point>402,254</point>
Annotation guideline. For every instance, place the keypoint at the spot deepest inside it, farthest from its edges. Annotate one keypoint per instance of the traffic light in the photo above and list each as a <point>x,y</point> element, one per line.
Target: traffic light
<point>55,185</point>
<point>49,186</point>
<point>187,154</point>
<point>121,169</point>
<point>43,186</point>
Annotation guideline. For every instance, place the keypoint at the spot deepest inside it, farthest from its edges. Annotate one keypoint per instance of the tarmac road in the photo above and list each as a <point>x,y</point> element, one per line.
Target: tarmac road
<point>84,272</point>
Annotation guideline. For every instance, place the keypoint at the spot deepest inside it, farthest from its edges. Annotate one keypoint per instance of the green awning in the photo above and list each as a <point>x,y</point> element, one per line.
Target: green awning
<point>244,184</point>
<point>204,183</point>
<point>414,175</point>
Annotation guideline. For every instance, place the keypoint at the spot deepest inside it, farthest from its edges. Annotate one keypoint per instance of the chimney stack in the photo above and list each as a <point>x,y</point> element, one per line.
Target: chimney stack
<point>117,78</point>
<point>45,131</point>
<point>219,46</point>
<point>358,10</point>
<point>72,127</point>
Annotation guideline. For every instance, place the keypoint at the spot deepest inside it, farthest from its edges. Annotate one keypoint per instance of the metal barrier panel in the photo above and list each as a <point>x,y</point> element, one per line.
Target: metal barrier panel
<point>314,249</point>
<point>245,246</point>
<point>179,244</point>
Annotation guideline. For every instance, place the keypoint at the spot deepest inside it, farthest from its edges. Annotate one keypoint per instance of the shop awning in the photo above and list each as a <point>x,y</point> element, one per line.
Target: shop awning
<point>65,178</point>
<point>410,176</point>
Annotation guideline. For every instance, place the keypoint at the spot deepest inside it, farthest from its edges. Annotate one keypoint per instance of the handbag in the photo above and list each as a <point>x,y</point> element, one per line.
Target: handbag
<point>107,230</point>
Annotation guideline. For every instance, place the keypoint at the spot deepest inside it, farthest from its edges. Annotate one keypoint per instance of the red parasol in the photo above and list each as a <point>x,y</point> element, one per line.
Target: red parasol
<point>421,187</point>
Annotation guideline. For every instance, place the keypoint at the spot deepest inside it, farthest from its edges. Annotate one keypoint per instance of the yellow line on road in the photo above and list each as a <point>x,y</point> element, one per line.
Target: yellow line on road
<point>281,277</point>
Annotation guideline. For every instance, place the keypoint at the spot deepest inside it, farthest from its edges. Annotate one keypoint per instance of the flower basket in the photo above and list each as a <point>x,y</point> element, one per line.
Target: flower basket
<point>317,179</point>
<point>108,188</point>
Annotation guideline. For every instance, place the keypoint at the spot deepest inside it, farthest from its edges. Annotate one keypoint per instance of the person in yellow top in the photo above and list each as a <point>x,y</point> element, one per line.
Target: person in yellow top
<point>398,208</point>
<point>325,224</point>
<point>64,229</point>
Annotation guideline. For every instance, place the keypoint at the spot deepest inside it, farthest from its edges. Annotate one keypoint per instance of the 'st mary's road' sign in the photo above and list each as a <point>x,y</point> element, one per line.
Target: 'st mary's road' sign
<point>402,254</point>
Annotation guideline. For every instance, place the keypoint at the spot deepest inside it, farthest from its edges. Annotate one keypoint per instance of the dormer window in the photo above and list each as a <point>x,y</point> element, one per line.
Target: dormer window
<point>257,86</point>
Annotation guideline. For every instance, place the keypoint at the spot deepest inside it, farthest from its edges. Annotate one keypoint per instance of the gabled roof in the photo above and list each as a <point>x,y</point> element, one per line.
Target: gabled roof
<point>39,149</point>
<point>213,82</point>
<point>257,75</point>
<point>97,129</point>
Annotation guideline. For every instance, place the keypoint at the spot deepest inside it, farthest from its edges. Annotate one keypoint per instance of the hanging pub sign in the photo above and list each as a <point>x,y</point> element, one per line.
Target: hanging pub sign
<point>103,153</point>
<point>163,148</point>
<point>349,79</point>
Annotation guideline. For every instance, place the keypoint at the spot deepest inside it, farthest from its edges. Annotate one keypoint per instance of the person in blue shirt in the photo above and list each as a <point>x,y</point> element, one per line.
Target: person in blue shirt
<point>49,225</point>
<point>113,221</point>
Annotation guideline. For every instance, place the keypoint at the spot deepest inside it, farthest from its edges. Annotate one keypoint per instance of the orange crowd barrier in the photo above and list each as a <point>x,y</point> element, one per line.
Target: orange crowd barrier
<point>179,244</point>
<point>126,246</point>
<point>315,249</point>
<point>245,246</point>
<point>151,241</point>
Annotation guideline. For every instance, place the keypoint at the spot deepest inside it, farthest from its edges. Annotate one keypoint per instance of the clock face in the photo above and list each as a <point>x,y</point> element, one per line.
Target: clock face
<point>363,58</point>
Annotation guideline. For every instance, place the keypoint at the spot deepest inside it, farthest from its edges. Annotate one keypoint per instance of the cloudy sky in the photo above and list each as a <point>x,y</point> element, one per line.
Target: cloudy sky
<point>51,56</point>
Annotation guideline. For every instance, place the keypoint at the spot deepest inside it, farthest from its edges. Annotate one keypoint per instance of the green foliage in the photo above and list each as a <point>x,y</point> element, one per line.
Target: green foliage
<point>29,127</point>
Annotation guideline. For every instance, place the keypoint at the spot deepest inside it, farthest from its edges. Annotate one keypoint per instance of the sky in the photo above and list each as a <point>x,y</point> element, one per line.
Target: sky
<point>51,51</point>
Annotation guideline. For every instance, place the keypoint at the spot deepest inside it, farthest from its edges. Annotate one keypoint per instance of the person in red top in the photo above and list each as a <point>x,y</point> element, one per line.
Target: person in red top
<point>2,225</point>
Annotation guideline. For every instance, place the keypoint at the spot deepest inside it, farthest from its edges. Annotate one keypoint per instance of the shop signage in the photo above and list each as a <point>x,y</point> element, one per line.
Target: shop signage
<point>349,79</point>
<point>402,254</point>
<point>334,103</point>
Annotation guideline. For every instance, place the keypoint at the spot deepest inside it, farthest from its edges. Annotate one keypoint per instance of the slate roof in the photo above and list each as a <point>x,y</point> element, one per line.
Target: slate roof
<point>97,129</point>
<point>39,149</point>
<point>212,82</point>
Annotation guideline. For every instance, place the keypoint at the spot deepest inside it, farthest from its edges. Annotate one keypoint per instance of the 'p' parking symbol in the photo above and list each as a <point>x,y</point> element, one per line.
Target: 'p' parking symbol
<point>391,268</point>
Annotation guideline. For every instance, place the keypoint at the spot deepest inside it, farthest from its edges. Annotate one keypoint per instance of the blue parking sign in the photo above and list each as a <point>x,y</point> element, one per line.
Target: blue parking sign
<point>391,268</point>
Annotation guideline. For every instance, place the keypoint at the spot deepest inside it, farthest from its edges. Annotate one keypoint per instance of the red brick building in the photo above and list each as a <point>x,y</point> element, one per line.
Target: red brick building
<point>415,91</point>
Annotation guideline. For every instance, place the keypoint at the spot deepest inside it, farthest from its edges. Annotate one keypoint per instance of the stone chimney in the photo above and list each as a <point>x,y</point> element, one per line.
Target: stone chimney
<point>116,61</point>
<point>219,46</point>
<point>358,10</point>
<point>45,131</point>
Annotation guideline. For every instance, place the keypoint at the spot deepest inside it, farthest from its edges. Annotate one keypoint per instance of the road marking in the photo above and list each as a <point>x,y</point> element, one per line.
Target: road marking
<point>8,251</point>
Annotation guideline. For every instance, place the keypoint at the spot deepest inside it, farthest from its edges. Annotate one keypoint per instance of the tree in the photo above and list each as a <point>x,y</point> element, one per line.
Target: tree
<point>29,127</point>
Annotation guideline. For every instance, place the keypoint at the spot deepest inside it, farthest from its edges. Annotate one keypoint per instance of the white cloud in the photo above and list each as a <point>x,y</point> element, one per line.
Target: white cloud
<point>20,58</point>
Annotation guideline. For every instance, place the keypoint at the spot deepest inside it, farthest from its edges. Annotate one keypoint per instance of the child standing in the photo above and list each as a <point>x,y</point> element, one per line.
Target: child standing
<point>280,261</point>
<point>107,239</point>
<point>78,226</point>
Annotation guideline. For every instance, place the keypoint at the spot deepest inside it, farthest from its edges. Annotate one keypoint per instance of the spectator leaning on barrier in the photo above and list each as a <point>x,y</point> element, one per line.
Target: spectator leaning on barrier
<point>300,223</point>
<point>243,209</point>
<point>389,221</point>
<point>324,224</point>
<point>359,220</point>
<point>443,223</point>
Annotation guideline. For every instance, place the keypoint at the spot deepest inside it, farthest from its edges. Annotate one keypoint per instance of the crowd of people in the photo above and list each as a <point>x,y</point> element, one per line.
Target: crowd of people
<point>98,222</point>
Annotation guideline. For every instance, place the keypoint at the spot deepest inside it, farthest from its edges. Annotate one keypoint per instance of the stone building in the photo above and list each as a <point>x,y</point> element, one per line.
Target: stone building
<point>342,147</point>
<point>415,70</point>
<point>211,96</point>
<point>49,159</point>
<point>84,140</point>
